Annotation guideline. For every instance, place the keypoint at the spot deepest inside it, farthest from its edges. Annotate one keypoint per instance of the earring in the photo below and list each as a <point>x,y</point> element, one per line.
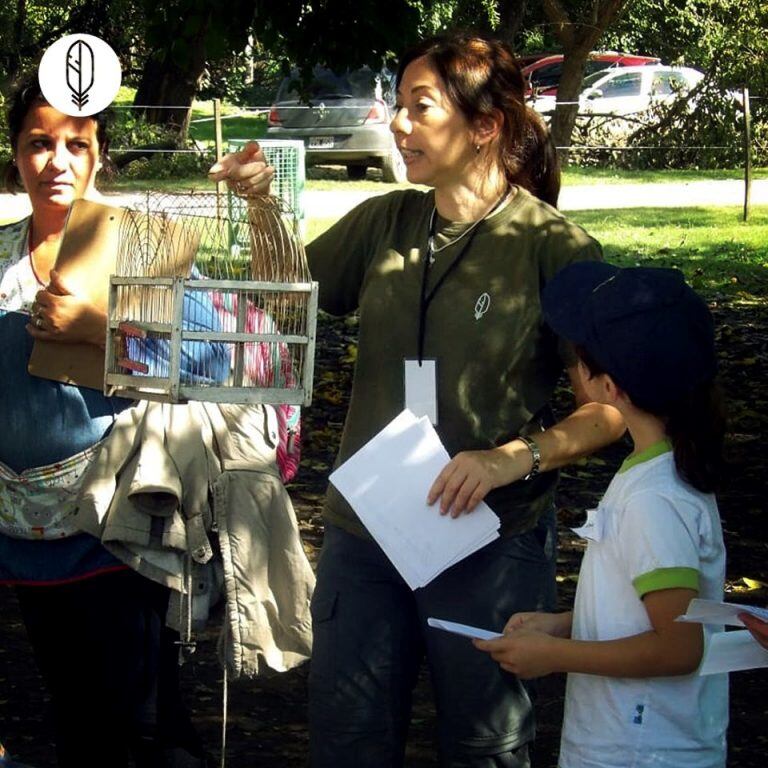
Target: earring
<point>477,149</point>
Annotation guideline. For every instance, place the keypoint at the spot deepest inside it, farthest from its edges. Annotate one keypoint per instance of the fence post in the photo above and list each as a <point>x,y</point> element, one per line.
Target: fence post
<point>747,152</point>
<point>219,146</point>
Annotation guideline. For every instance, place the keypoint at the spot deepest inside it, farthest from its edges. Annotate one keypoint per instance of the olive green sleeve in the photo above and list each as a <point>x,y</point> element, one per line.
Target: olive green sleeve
<point>338,258</point>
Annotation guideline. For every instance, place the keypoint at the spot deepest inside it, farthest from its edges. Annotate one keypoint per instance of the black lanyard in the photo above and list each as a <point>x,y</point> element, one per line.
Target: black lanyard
<point>426,298</point>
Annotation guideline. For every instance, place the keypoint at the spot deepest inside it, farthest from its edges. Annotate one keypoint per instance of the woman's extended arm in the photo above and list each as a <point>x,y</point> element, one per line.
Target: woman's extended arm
<point>470,475</point>
<point>669,648</point>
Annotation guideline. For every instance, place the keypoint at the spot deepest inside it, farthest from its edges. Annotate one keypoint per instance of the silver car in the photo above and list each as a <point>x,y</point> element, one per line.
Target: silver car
<point>342,120</point>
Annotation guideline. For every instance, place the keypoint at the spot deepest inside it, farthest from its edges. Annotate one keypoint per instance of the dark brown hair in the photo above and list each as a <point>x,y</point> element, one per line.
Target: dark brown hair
<point>695,424</point>
<point>482,75</point>
<point>25,95</point>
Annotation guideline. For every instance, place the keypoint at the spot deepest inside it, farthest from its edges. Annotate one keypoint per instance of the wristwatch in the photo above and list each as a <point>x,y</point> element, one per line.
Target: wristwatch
<point>535,455</point>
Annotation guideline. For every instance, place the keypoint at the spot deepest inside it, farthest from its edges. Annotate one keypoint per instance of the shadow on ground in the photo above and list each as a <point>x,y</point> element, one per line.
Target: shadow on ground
<point>267,717</point>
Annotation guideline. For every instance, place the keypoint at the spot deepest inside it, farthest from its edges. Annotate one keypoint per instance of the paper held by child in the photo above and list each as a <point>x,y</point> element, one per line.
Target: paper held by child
<point>463,629</point>
<point>387,481</point>
<point>732,652</point>
<point>718,612</point>
<point>727,651</point>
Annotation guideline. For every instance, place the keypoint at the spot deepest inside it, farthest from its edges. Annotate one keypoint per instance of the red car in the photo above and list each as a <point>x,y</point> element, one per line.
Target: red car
<point>543,76</point>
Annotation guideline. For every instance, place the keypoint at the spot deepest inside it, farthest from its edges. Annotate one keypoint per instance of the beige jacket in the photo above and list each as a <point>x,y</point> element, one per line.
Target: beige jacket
<point>167,480</point>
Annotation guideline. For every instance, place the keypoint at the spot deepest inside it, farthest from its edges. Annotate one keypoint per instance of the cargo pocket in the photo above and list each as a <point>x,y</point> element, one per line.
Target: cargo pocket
<point>322,672</point>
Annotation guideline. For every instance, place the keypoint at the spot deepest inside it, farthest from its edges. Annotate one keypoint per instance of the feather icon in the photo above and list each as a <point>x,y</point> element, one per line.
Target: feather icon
<point>482,305</point>
<point>80,71</point>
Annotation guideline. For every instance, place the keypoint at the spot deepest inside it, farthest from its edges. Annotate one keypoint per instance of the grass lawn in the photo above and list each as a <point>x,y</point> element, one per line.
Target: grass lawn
<point>235,124</point>
<point>719,253</point>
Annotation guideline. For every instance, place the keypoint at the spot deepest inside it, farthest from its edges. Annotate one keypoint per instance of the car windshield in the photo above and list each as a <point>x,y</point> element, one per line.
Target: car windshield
<point>590,80</point>
<point>361,83</point>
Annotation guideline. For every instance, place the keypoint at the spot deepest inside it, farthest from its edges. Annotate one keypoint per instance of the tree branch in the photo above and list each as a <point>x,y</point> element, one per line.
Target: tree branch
<point>560,21</point>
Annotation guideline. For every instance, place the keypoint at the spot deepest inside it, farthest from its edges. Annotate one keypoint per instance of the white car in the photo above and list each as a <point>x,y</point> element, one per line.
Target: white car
<point>628,90</point>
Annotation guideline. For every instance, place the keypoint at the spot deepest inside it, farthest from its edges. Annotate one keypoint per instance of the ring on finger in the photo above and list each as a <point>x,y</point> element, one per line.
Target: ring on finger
<point>38,322</point>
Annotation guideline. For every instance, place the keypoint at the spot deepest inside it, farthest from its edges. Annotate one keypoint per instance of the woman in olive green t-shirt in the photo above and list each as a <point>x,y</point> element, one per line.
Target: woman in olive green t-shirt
<point>454,275</point>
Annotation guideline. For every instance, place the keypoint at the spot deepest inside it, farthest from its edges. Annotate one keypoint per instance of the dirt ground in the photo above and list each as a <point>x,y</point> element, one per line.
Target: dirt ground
<point>267,724</point>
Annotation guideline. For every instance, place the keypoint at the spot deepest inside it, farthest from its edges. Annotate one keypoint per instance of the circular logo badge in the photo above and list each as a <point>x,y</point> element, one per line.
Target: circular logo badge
<point>79,75</point>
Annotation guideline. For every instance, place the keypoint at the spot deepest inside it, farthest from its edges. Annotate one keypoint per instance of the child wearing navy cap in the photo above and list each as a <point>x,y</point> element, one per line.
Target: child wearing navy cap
<point>645,343</point>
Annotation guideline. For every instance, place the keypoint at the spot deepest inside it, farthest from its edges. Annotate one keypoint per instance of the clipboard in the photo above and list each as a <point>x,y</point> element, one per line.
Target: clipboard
<point>87,257</point>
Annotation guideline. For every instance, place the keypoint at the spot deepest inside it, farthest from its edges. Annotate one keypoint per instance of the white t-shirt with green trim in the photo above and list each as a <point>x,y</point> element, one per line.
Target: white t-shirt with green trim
<point>650,531</point>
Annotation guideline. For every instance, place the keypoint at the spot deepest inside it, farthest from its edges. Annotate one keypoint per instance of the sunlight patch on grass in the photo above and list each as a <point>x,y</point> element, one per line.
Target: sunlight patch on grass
<point>717,251</point>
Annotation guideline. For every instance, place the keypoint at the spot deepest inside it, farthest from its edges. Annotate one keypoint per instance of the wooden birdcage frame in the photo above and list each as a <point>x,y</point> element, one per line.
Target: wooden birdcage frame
<point>148,308</point>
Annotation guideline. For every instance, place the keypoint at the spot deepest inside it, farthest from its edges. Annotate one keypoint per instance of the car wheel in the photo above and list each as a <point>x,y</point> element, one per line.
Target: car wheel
<point>393,168</point>
<point>356,172</point>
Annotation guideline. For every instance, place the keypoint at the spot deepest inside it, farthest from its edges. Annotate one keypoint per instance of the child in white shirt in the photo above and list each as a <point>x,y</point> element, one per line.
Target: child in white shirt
<point>645,343</point>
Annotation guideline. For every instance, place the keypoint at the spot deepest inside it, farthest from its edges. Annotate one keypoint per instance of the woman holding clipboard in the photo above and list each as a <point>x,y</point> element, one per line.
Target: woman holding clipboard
<point>97,628</point>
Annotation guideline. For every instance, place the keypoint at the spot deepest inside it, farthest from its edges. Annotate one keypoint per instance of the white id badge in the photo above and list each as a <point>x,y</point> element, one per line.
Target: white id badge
<point>421,388</point>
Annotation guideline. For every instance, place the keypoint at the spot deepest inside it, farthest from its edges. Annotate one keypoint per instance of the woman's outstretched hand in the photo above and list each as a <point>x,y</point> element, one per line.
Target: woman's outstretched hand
<point>246,172</point>
<point>469,476</point>
<point>58,314</point>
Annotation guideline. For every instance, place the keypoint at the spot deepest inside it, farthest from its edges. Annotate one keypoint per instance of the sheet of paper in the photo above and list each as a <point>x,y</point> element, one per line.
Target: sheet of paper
<point>731,652</point>
<point>386,482</point>
<point>463,629</point>
<point>702,611</point>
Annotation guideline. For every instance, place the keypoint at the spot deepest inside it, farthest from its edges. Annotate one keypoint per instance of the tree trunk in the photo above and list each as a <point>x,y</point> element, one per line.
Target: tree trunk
<point>168,85</point>
<point>12,59</point>
<point>577,37</point>
<point>165,94</point>
<point>511,13</point>
<point>567,109</point>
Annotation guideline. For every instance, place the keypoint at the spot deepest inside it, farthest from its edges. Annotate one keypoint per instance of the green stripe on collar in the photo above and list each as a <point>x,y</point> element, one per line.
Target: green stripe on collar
<point>666,578</point>
<point>657,449</point>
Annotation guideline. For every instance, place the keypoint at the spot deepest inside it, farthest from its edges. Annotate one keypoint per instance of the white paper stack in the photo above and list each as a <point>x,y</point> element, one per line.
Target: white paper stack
<point>387,481</point>
<point>701,611</point>
<point>727,651</point>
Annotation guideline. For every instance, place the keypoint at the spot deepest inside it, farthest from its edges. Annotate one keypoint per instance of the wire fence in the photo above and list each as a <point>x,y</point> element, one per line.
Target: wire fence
<point>206,145</point>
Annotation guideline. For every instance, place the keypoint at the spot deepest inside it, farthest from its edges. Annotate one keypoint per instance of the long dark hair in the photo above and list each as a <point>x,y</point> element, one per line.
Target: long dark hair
<point>695,424</point>
<point>25,95</point>
<point>482,75</point>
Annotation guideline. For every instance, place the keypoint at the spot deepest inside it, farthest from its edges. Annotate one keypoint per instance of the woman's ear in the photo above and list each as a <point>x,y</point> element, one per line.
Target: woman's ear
<point>487,127</point>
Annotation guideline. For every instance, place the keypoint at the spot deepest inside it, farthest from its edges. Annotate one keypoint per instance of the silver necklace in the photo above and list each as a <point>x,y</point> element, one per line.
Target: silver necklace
<point>432,249</point>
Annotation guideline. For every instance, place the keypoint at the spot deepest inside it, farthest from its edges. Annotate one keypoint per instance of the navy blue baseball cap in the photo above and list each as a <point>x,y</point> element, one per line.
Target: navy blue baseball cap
<point>644,326</point>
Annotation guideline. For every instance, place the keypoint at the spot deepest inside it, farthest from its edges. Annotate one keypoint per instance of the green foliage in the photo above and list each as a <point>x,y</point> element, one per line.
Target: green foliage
<point>703,131</point>
<point>724,38</point>
<point>711,135</point>
<point>250,77</point>
<point>27,28</point>
<point>168,166</point>
<point>129,130</point>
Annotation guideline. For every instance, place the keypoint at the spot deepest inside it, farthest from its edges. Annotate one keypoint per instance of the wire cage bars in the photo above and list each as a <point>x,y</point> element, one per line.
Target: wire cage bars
<point>212,300</point>
<point>287,157</point>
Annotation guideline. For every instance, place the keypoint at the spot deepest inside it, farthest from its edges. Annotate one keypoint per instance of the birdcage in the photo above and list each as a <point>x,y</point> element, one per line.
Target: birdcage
<point>287,157</point>
<point>212,300</point>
